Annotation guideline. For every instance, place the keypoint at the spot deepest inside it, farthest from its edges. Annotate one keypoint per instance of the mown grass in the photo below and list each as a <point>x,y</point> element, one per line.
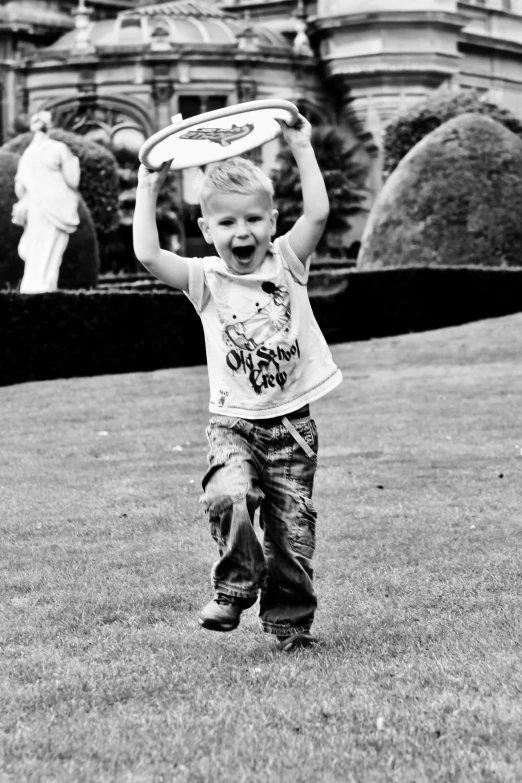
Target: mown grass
<point>105,674</point>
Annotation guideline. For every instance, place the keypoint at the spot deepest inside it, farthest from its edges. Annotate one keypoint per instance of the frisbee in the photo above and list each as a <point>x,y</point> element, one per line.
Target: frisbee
<point>216,135</point>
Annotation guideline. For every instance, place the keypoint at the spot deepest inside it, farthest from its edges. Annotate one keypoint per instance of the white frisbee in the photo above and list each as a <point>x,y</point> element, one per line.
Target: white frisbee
<point>216,135</point>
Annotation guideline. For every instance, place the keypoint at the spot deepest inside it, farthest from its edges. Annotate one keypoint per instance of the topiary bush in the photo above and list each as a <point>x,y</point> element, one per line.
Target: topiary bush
<point>406,130</point>
<point>344,177</point>
<point>455,199</point>
<point>98,179</point>
<point>80,263</point>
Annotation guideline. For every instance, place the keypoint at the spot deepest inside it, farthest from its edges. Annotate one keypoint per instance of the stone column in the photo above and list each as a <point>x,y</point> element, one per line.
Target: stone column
<point>247,55</point>
<point>162,92</point>
<point>14,98</point>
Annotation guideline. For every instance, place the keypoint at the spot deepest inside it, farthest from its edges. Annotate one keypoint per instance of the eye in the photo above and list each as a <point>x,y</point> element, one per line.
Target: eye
<point>254,219</point>
<point>225,223</point>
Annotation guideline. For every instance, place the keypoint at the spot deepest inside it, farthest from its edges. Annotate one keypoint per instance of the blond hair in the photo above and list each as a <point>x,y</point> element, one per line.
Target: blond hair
<point>235,175</point>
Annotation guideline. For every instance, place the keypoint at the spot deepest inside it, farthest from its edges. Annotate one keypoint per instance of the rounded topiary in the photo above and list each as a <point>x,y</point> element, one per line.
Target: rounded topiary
<point>407,129</point>
<point>80,263</point>
<point>99,185</point>
<point>455,199</point>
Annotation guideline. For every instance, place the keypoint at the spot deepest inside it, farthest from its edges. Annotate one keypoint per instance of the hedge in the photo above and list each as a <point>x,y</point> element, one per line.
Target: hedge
<point>68,334</point>
<point>455,199</point>
<point>409,127</point>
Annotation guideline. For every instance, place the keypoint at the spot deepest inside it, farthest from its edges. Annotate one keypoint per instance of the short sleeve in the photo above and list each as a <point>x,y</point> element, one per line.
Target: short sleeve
<point>298,270</point>
<point>197,291</point>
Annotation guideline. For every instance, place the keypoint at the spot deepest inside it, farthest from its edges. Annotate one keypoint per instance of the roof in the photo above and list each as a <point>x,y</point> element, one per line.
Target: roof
<point>175,23</point>
<point>180,8</point>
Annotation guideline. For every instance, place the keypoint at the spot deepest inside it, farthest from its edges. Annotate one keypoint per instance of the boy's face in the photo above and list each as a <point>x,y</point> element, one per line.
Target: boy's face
<point>240,226</point>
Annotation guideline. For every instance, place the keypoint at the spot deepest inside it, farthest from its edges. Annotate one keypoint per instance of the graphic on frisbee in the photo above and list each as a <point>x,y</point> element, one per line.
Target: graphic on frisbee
<point>217,135</point>
<point>223,136</point>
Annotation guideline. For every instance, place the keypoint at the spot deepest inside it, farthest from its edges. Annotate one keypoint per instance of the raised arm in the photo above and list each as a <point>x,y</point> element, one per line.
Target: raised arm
<point>308,229</point>
<point>166,266</point>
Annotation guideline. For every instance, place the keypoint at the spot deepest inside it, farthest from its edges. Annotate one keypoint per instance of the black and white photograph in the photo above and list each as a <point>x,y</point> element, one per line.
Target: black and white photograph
<point>260,391</point>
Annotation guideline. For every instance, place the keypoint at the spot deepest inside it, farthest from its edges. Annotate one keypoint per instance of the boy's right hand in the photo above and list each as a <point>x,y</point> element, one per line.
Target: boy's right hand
<point>153,178</point>
<point>297,136</point>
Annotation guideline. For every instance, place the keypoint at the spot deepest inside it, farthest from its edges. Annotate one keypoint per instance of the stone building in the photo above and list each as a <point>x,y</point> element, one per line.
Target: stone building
<point>121,69</point>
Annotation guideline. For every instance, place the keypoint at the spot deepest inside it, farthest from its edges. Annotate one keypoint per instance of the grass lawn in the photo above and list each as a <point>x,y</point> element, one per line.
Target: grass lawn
<point>105,674</point>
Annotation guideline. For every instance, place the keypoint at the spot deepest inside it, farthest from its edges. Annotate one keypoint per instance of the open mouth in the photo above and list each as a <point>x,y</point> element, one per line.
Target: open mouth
<point>244,253</point>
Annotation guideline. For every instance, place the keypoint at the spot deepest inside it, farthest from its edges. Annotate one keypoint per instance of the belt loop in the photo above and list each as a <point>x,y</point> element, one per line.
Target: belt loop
<point>312,456</point>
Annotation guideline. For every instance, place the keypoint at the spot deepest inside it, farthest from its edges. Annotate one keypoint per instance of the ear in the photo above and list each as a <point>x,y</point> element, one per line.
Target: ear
<point>273,221</point>
<point>202,223</point>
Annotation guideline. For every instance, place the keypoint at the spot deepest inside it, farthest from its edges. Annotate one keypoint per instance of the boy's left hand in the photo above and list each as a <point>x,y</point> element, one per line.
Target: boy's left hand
<point>297,136</point>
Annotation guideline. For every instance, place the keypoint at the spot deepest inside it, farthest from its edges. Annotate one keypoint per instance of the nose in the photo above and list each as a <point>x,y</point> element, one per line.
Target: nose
<point>241,229</point>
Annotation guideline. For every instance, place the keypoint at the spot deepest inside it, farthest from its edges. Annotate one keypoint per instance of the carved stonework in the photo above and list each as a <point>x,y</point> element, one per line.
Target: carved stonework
<point>162,91</point>
<point>82,23</point>
<point>100,123</point>
<point>22,98</point>
<point>301,44</point>
<point>378,56</point>
<point>247,39</point>
<point>160,36</point>
<point>246,90</point>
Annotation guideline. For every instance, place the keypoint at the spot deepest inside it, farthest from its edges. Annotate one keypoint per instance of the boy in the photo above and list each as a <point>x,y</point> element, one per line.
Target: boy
<point>267,360</point>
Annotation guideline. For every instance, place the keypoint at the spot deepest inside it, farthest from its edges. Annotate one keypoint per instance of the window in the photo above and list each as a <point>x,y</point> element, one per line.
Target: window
<point>215,102</point>
<point>130,21</point>
<point>191,105</point>
<point>188,106</point>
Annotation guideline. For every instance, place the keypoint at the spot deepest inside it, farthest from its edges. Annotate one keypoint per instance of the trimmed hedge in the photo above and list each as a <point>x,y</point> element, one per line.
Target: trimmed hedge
<point>455,199</point>
<point>394,301</point>
<point>68,334</point>
<point>408,128</point>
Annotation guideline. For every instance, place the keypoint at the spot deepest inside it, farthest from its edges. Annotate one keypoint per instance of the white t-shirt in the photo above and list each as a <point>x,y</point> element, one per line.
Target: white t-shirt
<point>266,355</point>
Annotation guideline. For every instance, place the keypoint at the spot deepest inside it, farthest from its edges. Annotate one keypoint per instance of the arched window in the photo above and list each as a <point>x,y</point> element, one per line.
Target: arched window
<point>104,119</point>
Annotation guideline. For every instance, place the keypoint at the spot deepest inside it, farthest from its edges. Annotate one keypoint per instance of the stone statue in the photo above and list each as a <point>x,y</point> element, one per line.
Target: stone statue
<point>46,185</point>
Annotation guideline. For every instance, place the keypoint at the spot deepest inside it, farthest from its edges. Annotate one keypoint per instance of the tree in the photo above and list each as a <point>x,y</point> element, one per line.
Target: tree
<point>344,177</point>
<point>406,130</point>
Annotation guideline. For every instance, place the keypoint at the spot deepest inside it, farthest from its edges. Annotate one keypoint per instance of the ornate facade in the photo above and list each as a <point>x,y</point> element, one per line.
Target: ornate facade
<point>122,68</point>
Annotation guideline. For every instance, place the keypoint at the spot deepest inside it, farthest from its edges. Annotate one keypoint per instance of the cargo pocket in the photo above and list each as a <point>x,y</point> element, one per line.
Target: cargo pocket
<point>224,483</point>
<point>302,539</point>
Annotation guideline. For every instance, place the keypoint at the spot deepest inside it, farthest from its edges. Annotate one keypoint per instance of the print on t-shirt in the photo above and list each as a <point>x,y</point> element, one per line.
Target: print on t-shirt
<point>257,333</point>
<point>264,323</point>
